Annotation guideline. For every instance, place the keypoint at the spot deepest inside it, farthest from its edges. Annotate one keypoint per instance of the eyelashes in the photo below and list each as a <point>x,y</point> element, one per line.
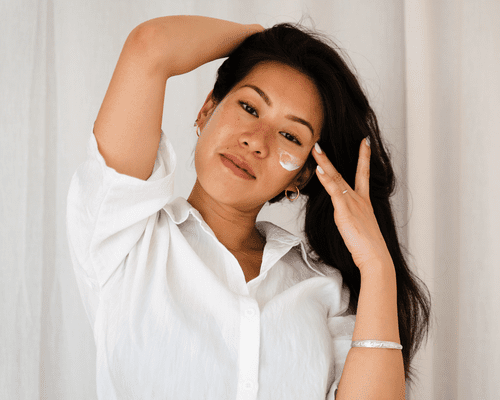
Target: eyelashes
<point>251,110</point>
<point>247,107</point>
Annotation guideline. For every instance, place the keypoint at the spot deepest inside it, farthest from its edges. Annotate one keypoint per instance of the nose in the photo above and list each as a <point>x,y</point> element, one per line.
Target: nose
<point>256,140</point>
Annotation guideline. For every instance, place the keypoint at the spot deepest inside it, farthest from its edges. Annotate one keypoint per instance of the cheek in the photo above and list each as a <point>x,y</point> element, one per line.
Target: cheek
<point>289,161</point>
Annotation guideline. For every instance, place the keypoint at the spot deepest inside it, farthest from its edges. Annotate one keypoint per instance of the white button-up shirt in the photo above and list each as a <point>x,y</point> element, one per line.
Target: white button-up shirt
<point>171,312</point>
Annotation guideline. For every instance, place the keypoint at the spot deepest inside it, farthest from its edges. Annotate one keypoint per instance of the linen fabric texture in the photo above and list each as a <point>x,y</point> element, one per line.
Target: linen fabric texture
<point>171,312</point>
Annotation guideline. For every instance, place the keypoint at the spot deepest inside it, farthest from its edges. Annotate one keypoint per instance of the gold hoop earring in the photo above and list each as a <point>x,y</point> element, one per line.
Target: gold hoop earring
<point>197,128</point>
<point>296,197</point>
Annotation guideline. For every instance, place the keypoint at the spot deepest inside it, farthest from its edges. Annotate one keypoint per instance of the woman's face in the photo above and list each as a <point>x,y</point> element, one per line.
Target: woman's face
<point>268,124</point>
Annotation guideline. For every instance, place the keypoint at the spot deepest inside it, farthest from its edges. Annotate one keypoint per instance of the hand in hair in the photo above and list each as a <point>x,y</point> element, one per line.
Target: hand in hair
<point>353,211</point>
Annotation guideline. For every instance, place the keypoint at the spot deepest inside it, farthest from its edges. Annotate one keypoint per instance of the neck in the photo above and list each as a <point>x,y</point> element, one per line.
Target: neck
<point>234,228</point>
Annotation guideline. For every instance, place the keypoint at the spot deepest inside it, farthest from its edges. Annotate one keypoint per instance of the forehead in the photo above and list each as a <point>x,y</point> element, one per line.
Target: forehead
<point>288,90</point>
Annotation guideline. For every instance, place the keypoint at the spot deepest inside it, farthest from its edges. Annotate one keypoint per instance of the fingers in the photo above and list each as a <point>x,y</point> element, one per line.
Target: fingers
<point>333,181</point>
<point>330,178</point>
<point>362,181</point>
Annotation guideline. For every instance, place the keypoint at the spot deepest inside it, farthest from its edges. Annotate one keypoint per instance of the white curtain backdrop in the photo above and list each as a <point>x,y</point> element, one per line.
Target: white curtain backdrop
<point>432,72</point>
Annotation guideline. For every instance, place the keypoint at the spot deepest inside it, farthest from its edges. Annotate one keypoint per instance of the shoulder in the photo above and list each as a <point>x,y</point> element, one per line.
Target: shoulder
<point>336,281</point>
<point>311,261</point>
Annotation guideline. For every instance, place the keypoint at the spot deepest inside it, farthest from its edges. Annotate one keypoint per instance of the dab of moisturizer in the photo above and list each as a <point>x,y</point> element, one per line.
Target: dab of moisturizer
<point>289,162</point>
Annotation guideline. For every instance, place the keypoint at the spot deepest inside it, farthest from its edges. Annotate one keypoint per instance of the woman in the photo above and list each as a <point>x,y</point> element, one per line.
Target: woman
<point>194,299</point>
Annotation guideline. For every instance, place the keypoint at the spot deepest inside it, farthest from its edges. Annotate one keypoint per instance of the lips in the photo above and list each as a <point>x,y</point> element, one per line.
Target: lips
<point>240,164</point>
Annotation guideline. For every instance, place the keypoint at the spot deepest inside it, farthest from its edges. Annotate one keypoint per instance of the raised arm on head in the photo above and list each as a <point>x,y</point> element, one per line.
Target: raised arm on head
<point>127,128</point>
<point>182,43</point>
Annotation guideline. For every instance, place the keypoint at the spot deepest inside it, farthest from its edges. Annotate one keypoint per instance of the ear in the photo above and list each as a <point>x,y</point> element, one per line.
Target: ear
<point>206,111</point>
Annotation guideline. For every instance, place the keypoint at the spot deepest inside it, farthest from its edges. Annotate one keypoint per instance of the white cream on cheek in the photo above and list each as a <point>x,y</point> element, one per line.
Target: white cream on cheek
<point>289,162</point>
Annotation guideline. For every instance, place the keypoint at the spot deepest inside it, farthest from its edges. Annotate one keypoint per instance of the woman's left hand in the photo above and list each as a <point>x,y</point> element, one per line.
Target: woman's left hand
<point>353,212</point>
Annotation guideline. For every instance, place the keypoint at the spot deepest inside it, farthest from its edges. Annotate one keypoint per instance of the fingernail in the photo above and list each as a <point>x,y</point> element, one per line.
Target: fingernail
<point>320,170</point>
<point>368,141</point>
<point>318,149</point>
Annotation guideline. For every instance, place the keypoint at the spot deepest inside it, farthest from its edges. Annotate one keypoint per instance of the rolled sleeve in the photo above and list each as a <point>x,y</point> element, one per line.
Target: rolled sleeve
<point>107,213</point>
<point>341,329</point>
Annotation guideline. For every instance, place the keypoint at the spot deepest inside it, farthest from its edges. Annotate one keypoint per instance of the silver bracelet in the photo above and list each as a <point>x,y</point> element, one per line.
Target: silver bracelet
<point>378,344</point>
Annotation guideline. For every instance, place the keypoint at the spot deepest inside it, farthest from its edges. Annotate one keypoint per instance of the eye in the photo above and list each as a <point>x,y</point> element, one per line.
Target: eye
<point>249,109</point>
<point>291,137</point>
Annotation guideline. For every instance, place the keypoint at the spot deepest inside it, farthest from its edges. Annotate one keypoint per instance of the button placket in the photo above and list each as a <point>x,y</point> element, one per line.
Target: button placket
<point>249,348</point>
<point>249,312</point>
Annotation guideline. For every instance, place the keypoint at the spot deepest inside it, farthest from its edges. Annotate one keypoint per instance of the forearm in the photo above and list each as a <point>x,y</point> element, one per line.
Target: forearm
<point>182,43</point>
<point>372,373</point>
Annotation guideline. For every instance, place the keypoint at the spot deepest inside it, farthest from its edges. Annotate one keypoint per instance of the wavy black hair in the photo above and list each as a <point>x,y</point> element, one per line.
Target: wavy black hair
<point>348,119</point>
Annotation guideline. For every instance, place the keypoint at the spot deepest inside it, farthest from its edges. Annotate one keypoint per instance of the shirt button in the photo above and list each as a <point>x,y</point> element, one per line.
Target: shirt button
<point>249,312</point>
<point>248,385</point>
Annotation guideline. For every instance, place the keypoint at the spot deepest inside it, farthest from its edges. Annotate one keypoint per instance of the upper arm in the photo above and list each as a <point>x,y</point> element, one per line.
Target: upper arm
<point>127,128</point>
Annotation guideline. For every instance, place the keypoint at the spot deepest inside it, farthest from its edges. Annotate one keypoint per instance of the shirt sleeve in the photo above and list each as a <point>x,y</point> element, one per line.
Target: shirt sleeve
<point>107,213</point>
<point>341,329</point>
<point>340,325</point>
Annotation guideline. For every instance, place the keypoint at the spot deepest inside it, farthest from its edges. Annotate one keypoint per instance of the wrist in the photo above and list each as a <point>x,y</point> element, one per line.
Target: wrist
<point>385,266</point>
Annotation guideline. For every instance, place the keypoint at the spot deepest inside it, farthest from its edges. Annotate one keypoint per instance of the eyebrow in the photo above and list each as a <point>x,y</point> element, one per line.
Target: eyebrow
<point>269,103</point>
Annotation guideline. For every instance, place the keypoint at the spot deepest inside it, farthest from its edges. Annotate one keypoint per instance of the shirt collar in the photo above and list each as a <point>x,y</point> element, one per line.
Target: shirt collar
<point>276,237</point>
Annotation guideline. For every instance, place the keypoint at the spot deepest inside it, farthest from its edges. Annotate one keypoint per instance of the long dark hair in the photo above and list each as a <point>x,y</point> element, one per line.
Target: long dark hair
<point>348,118</point>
